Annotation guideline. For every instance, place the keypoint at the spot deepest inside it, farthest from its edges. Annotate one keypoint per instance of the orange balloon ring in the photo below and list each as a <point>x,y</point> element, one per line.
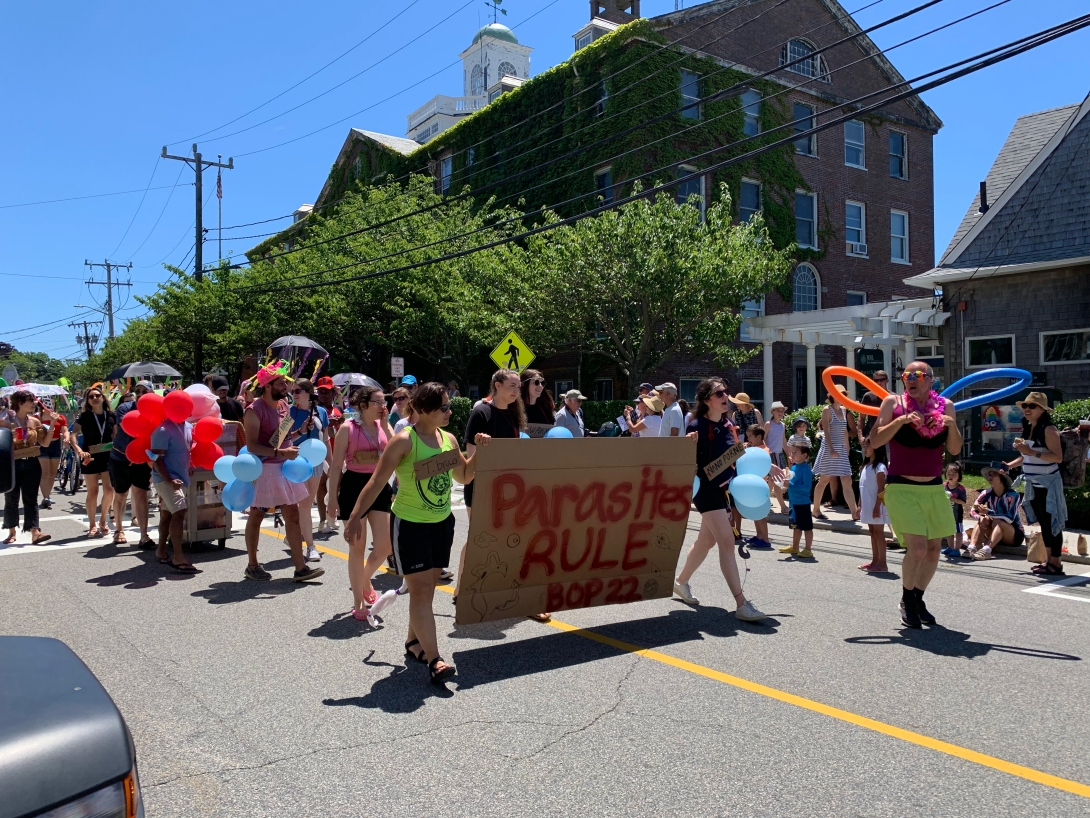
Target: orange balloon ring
<point>857,376</point>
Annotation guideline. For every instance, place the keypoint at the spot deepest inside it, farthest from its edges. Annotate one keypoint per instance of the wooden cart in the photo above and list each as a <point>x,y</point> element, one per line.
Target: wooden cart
<point>206,518</point>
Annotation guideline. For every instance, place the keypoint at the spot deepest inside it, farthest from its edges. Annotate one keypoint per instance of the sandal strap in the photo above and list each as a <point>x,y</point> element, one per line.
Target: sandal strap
<point>436,661</point>
<point>414,642</point>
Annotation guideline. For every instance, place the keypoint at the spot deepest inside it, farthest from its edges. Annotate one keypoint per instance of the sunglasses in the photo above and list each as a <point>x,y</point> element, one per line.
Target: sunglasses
<point>444,408</point>
<point>912,377</point>
<point>537,381</point>
<point>402,399</point>
<point>1026,406</point>
<point>883,379</point>
<point>720,393</point>
<point>94,397</point>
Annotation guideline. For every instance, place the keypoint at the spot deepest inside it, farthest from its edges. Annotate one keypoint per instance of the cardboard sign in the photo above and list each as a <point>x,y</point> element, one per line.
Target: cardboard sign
<point>27,451</point>
<point>537,429</point>
<point>724,461</point>
<point>100,448</point>
<point>561,524</point>
<point>364,457</point>
<point>282,431</point>
<point>436,464</point>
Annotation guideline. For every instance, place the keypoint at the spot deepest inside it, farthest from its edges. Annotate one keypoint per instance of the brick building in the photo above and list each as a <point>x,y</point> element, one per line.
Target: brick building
<point>1016,276</point>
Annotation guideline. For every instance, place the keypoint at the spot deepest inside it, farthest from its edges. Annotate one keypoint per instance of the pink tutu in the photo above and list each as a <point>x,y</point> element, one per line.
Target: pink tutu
<point>271,489</point>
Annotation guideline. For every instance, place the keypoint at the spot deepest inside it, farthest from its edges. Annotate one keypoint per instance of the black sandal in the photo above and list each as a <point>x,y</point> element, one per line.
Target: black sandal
<point>1049,570</point>
<point>440,675</point>
<point>417,656</point>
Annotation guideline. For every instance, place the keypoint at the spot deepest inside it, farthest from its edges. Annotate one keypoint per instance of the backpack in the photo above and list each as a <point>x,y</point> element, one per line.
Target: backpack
<point>1073,466</point>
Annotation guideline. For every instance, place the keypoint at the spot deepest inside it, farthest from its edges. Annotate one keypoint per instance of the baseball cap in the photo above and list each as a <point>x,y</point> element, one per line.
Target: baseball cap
<point>666,387</point>
<point>146,384</point>
<point>324,382</point>
<point>573,394</point>
<point>646,386</point>
<point>409,380</point>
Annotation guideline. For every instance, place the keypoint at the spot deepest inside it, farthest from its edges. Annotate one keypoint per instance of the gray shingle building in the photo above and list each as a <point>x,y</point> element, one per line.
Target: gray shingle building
<point>1016,275</point>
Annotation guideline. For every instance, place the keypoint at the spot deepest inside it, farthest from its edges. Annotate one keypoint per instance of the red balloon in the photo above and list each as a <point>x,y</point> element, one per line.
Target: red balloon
<point>207,430</point>
<point>135,424</point>
<point>150,406</point>
<point>178,406</point>
<point>136,451</point>
<point>204,455</point>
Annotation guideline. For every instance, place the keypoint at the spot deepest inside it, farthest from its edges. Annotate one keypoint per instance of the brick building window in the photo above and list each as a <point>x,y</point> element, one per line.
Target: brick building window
<point>855,298</point>
<point>690,93</point>
<point>691,187</point>
<point>686,390</point>
<point>749,199</point>
<point>898,236</point>
<point>756,391</point>
<point>854,145</point>
<point>603,389</point>
<point>990,350</point>
<point>804,121</point>
<point>855,228</point>
<point>751,309</point>
<point>804,289</point>
<point>446,170</point>
<point>751,110</point>
<point>603,95</point>
<point>561,388</point>
<point>898,155</point>
<point>809,64</point>
<point>806,219</point>
<point>603,183</point>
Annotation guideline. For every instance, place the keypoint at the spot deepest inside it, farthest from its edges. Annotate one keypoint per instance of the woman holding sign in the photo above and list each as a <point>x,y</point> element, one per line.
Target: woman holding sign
<point>356,450</point>
<point>715,437</point>
<point>422,529</point>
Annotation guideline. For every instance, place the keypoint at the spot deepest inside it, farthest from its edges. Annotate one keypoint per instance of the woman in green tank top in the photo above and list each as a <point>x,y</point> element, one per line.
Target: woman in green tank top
<point>422,525</point>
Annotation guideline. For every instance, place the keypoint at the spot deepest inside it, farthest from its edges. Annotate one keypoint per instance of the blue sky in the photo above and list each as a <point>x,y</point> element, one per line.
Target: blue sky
<point>93,91</point>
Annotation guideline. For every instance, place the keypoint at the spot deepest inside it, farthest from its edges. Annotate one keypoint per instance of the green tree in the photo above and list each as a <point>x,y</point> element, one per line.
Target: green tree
<point>653,279</point>
<point>34,366</point>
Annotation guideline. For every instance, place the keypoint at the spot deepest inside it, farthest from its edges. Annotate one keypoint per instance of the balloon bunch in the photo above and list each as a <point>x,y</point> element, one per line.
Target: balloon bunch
<point>749,491</point>
<point>1021,379</point>
<point>239,473</point>
<point>177,406</point>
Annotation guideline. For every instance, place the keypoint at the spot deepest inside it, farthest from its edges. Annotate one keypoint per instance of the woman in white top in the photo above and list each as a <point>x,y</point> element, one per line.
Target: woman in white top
<point>647,418</point>
<point>872,508</point>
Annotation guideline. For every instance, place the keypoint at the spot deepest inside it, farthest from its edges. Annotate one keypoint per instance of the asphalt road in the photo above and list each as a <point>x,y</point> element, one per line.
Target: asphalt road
<point>261,699</point>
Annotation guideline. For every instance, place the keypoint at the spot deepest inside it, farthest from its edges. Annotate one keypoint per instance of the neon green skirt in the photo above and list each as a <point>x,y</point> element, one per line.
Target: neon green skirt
<point>921,510</point>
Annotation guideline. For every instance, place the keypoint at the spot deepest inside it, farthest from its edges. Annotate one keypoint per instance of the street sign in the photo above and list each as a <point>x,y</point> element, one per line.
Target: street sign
<point>397,367</point>
<point>868,361</point>
<point>512,353</point>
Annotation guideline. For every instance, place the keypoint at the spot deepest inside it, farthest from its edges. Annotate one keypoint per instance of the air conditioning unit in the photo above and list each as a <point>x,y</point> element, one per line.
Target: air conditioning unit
<point>857,248</point>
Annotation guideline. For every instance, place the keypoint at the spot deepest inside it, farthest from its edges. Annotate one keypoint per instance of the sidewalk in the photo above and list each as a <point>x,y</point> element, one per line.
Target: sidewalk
<point>840,520</point>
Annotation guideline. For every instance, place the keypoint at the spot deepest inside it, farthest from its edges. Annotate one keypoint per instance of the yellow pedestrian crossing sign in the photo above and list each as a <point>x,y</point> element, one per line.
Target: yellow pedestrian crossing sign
<point>512,353</point>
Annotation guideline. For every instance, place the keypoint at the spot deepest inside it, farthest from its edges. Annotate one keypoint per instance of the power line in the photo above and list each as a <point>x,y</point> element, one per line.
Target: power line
<point>161,212</point>
<point>92,196</point>
<point>151,179</point>
<point>48,323</point>
<point>1001,54</point>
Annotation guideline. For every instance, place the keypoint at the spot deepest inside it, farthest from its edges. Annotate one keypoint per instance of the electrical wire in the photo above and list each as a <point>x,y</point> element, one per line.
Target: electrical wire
<point>39,326</point>
<point>972,65</point>
<point>305,79</point>
<point>151,179</point>
<point>161,212</point>
<point>92,196</point>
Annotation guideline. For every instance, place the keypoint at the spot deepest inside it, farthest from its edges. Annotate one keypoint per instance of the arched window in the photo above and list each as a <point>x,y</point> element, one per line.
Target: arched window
<point>810,65</point>
<point>476,82</point>
<point>506,70</point>
<point>804,289</point>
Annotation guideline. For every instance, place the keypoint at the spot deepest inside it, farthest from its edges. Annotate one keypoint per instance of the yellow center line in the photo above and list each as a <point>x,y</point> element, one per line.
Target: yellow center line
<point>909,736</point>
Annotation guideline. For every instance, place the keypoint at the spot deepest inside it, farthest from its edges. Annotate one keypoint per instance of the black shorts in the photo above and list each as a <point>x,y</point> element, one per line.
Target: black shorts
<point>421,546</point>
<point>348,492</point>
<point>467,493</point>
<point>804,517</point>
<point>125,475</point>
<point>710,497</point>
<point>99,463</point>
<point>52,451</point>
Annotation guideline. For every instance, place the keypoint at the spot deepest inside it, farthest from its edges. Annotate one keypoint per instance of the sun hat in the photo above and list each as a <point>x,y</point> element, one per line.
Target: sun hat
<point>573,394</point>
<point>997,469</point>
<point>1037,399</point>
<point>798,420</point>
<point>654,404</point>
<point>740,398</point>
<point>777,405</point>
<point>409,380</point>
<point>666,387</point>
<point>324,382</point>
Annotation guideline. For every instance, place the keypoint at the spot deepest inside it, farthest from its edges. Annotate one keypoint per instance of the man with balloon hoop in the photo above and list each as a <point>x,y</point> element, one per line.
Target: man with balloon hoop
<point>266,430</point>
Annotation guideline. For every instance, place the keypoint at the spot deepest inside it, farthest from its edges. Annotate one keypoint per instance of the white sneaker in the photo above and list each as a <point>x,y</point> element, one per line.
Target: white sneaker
<point>335,525</point>
<point>446,574</point>
<point>683,590</point>
<point>313,554</point>
<point>325,528</point>
<point>748,613</point>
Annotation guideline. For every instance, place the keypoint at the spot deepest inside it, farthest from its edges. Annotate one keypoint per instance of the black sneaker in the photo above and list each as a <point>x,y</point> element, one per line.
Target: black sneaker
<point>909,615</point>
<point>308,573</point>
<point>46,503</point>
<point>924,615</point>
<point>256,572</point>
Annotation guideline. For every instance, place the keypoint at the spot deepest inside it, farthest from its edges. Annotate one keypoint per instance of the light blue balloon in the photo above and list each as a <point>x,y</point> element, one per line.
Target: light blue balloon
<point>222,469</point>
<point>523,434</point>
<point>298,470</point>
<point>243,450</point>
<point>313,450</point>
<point>696,485</point>
<point>246,468</point>
<point>753,512</point>
<point>754,461</point>
<point>558,431</point>
<point>238,495</point>
<point>749,490</point>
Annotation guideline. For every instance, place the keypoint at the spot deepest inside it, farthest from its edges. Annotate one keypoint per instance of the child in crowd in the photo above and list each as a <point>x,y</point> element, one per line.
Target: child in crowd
<point>755,439</point>
<point>958,500</point>
<point>872,484</point>
<point>775,439</point>
<point>798,494</point>
<point>798,437</point>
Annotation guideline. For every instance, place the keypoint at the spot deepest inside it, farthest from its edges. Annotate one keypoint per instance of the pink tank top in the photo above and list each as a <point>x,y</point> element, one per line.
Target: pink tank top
<point>270,417</point>
<point>363,450</point>
<point>913,455</point>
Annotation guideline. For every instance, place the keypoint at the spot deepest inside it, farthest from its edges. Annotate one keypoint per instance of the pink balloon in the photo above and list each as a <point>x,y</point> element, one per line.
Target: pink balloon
<point>204,401</point>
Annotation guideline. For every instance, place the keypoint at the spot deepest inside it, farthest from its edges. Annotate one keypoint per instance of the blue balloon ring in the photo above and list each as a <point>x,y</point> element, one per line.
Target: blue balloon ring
<point>1022,377</point>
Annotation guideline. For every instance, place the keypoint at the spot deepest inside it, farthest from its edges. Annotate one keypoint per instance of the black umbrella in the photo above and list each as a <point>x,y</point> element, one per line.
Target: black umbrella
<point>144,369</point>
<point>293,342</point>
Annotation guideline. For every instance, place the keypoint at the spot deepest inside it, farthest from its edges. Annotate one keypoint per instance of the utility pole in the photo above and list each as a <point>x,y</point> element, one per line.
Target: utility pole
<point>109,283</point>
<point>198,164</point>
<point>87,339</point>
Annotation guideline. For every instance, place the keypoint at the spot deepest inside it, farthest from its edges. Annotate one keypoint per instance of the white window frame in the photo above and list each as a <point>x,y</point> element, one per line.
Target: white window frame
<point>857,292</point>
<point>811,140</point>
<point>862,227</point>
<point>904,159</point>
<point>690,102</point>
<point>685,170</point>
<point>584,40</point>
<point>908,246</point>
<point>817,286</point>
<point>814,197</point>
<point>817,68</point>
<point>1014,351</point>
<point>760,197</point>
<point>603,97</point>
<point>750,309</point>
<point>862,145</point>
<point>607,192</point>
<point>747,115</point>
<point>561,388</point>
<point>446,173</point>
<point>1041,346</point>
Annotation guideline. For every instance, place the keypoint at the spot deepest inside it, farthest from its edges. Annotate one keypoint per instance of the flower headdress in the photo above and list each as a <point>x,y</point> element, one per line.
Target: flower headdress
<point>270,372</point>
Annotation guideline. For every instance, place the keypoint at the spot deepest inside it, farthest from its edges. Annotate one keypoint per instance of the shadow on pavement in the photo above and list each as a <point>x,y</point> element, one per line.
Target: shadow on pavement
<point>405,690</point>
<point>553,651</point>
<point>149,572</point>
<point>942,641</point>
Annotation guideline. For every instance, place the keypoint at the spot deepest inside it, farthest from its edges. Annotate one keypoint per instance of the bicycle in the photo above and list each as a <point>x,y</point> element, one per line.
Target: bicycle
<point>70,472</point>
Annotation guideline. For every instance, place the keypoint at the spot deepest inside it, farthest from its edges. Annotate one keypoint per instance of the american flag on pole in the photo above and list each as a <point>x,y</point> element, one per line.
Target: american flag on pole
<point>219,184</point>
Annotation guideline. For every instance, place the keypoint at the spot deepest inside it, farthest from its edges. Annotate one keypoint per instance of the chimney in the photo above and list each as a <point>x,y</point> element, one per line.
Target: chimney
<point>616,11</point>
<point>983,197</point>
